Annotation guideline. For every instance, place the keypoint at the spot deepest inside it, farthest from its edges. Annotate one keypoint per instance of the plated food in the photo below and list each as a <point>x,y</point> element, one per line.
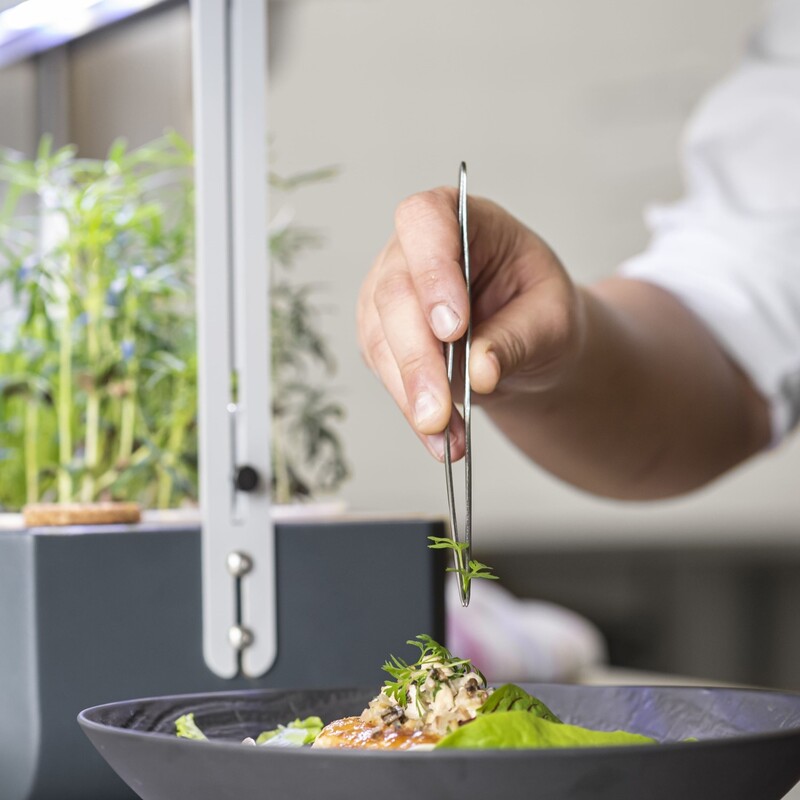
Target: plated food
<point>439,701</point>
<point>748,746</point>
<point>421,704</point>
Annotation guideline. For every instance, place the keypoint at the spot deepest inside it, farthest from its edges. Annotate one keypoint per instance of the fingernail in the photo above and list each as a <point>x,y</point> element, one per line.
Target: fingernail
<point>425,407</point>
<point>444,320</point>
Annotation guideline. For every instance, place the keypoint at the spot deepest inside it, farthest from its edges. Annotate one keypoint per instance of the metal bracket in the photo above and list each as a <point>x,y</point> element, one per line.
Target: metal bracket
<point>238,547</point>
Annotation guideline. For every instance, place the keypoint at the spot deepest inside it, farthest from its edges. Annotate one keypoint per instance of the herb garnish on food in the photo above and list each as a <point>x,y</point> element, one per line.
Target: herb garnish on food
<point>466,570</point>
<point>407,675</point>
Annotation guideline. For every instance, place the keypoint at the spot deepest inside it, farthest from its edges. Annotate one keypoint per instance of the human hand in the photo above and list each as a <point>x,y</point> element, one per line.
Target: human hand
<point>527,317</point>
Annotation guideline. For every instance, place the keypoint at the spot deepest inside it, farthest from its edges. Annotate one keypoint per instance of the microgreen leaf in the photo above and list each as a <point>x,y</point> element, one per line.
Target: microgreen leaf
<point>465,571</point>
<point>445,543</point>
<point>431,654</point>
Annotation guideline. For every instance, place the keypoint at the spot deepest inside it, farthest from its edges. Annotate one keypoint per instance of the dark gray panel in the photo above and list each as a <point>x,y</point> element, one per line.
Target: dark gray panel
<point>19,740</point>
<point>118,615</point>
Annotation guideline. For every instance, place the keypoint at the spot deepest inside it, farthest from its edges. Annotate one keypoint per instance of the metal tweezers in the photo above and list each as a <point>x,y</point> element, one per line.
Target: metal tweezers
<point>462,556</point>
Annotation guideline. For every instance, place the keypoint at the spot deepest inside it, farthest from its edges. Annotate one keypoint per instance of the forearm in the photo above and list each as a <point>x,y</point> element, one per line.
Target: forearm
<point>651,407</point>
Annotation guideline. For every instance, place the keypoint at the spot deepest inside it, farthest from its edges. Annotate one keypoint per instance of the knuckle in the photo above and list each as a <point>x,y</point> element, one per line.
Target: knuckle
<point>412,366</point>
<point>393,289</point>
<point>413,208</point>
<point>375,349</point>
<point>563,324</point>
<point>560,323</point>
<point>514,347</point>
<point>432,279</point>
<point>421,206</point>
<point>557,339</point>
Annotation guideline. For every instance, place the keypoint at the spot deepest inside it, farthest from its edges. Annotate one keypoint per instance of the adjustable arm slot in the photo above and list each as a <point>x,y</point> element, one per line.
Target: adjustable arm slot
<point>239,610</point>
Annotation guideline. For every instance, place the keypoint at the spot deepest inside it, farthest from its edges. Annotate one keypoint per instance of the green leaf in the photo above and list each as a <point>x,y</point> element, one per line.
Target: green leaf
<point>187,728</point>
<point>522,730</point>
<point>116,285</point>
<point>303,178</point>
<point>445,543</point>
<point>466,572</point>
<point>430,652</point>
<point>511,697</point>
<point>295,734</point>
<point>479,570</point>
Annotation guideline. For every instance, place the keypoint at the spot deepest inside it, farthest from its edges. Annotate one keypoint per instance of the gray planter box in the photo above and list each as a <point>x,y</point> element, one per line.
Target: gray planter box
<point>93,615</point>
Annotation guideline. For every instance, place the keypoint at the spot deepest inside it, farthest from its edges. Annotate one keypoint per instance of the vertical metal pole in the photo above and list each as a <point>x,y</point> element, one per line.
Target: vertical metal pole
<point>239,613</point>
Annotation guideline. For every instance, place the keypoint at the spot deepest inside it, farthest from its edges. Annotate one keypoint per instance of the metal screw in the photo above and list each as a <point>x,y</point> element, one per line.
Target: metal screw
<point>240,637</point>
<point>239,563</point>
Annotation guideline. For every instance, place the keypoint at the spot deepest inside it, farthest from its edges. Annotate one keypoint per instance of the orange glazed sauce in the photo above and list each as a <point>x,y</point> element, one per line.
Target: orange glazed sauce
<point>353,732</point>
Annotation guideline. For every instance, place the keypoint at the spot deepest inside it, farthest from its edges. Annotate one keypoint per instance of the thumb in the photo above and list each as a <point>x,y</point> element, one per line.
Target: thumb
<point>526,343</point>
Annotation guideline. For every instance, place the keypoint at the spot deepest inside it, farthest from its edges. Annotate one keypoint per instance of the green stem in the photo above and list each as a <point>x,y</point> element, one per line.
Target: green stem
<point>283,487</point>
<point>92,444</point>
<point>92,440</point>
<point>107,478</point>
<point>164,493</point>
<point>169,459</point>
<point>165,482</point>
<point>127,425</point>
<point>183,413</point>
<point>31,451</point>
<point>65,407</point>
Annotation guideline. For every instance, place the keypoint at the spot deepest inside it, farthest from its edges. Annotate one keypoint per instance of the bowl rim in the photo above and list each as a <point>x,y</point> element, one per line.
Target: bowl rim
<point>86,721</point>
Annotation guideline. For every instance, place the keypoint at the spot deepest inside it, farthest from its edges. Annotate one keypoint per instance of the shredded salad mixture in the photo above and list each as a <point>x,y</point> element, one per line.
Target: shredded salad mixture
<point>436,694</point>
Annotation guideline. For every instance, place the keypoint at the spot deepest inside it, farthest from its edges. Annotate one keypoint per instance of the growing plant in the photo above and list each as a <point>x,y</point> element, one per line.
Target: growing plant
<point>307,453</point>
<point>97,356</point>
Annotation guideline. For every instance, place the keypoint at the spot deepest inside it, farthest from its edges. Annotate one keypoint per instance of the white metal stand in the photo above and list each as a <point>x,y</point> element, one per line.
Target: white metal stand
<point>239,597</point>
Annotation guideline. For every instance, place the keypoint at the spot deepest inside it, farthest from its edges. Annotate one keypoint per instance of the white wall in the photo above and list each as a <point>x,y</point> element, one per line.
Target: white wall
<point>133,80</point>
<point>18,106</point>
<point>568,112</point>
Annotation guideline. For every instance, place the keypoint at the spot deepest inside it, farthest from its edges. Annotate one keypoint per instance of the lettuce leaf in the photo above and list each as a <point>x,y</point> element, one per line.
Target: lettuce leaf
<point>522,729</point>
<point>187,728</point>
<point>295,734</point>
<point>511,697</point>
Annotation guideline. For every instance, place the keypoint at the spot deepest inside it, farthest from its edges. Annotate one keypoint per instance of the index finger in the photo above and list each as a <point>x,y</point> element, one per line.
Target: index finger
<point>428,233</point>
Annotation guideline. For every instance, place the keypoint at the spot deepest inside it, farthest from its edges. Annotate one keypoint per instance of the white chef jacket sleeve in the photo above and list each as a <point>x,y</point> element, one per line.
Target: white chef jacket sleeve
<point>730,249</point>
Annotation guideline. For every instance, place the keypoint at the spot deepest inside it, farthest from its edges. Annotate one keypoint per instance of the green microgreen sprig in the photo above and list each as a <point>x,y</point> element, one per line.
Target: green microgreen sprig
<point>466,570</point>
<point>406,675</point>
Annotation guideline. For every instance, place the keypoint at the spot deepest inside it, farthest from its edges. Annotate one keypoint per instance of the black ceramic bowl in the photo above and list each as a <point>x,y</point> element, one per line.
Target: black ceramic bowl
<point>747,748</point>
